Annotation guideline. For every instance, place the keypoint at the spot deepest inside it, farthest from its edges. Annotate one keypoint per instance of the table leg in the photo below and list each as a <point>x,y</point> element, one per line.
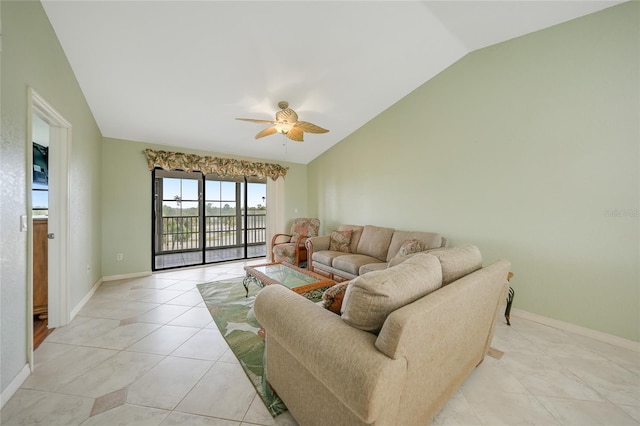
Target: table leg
<point>245,283</point>
<point>250,279</point>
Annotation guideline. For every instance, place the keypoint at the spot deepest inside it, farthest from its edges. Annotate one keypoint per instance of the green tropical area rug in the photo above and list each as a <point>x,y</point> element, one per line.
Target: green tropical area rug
<point>233,314</point>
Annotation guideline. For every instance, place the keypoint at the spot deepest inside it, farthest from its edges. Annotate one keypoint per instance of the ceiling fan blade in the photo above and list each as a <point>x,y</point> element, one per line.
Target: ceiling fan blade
<point>309,127</point>
<point>295,134</point>
<point>253,120</point>
<point>266,132</point>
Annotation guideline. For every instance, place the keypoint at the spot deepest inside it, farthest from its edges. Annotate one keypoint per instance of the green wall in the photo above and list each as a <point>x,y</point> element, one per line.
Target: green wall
<point>528,149</point>
<point>32,57</point>
<point>126,202</point>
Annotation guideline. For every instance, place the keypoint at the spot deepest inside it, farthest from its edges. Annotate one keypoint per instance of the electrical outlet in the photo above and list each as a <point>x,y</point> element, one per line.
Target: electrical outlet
<point>119,256</point>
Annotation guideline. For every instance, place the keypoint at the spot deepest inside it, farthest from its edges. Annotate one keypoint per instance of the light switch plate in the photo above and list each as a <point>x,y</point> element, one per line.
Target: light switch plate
<point>23,223</point>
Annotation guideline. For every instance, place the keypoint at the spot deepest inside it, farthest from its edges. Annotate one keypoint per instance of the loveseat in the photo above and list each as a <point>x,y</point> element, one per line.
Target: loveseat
<point>353,250</point>
<point>406,339</point>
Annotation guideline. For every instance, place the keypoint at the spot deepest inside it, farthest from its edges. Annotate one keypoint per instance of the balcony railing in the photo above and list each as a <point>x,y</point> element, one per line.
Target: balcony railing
<point>182,233</point>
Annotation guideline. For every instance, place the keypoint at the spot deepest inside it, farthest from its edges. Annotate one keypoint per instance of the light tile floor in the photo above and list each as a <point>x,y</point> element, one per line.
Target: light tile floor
<point>145,351</point>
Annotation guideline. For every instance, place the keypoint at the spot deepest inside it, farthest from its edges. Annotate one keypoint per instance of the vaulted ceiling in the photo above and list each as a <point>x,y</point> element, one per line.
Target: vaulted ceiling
<point>179,72</point>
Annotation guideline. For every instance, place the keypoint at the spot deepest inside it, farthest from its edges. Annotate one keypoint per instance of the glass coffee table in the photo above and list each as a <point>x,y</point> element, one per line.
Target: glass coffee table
<point>297,279</point>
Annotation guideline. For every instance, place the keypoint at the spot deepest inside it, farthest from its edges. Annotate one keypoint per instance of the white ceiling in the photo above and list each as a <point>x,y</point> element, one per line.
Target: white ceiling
<point>178,72</point>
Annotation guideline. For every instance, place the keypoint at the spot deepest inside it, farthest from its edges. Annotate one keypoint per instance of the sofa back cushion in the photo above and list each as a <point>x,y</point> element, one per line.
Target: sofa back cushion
<point>458,261</point>
<point>375,241</point>
<point>355,235</point>
<point>371,297</point>
<point>429,240</point>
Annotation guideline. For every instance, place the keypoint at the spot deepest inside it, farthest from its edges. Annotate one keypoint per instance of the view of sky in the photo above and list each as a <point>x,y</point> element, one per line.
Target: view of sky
<point>187,189</point>
<point>224,192</point>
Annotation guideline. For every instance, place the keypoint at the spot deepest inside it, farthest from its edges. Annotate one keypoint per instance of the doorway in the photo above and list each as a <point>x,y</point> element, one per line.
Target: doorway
<point>200,219</point>
<point>40,216</point>
<point>48,183</point>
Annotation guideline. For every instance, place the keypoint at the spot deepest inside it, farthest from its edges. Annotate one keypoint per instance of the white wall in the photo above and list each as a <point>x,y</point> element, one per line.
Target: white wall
<point>528,149</point>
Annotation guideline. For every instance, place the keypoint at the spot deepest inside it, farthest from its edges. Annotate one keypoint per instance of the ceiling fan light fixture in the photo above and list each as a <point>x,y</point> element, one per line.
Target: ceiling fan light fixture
<point>286,123</point>
<point>283,127</point>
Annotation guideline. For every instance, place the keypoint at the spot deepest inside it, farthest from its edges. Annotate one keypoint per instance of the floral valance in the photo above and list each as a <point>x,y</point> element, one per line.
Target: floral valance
<point>227,167</point>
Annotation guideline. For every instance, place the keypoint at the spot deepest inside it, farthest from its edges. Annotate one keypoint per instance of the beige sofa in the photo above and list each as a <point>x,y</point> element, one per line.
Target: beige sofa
<point>407,338</point>
<point>371,249</point>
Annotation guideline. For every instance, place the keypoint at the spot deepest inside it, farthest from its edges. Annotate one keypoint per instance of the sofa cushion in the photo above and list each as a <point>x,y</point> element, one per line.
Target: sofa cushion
<point>333,296</point>
<point>340,241</point>
<point>370,267</point>
<point>429,240</point>
<point>373,296</point>
<point>355,235</point>
<point>325,257</point>
<point>375,241</point>
<point>352,262</point>
<point>458,261</point>
<point>285,252</point>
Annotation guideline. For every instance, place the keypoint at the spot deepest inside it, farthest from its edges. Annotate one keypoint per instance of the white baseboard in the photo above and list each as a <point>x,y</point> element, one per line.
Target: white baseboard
<point>582,331</point>
<point>14,385</point>
<point>127,276</point>
<point>84,300</point>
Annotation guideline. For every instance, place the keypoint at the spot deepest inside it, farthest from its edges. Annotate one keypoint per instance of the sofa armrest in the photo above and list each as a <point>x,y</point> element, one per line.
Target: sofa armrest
<point>482,293</point>
<point>316,243</point>
<point>366,380</point>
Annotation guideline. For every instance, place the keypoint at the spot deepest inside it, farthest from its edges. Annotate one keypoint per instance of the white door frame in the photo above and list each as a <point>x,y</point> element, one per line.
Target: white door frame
<point>58,223</point>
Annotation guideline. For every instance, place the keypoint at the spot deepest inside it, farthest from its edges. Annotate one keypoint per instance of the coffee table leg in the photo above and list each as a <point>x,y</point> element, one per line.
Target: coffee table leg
<point>245,283</point>
<point>250,279</point>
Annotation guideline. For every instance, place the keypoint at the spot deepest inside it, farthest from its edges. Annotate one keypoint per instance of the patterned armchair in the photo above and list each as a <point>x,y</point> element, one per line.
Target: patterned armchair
<point>290,247</point>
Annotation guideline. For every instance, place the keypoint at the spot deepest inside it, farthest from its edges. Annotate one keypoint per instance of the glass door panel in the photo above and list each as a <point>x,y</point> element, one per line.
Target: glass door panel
<point>221,225</point>
<point>256,220</point>
<point>177,219</point>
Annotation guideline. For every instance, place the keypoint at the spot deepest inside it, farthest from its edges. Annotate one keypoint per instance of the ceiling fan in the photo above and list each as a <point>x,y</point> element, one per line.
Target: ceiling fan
<point>287,123</point>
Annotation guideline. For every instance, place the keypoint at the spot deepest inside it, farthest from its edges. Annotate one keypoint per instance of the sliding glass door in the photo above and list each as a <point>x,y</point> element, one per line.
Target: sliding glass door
<point>205,219</point>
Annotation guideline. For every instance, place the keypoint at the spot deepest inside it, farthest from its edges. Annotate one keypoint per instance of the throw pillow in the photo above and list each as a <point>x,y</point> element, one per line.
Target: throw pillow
<point>409,247</point>
<point>340,241</point>
<point>332,297</point>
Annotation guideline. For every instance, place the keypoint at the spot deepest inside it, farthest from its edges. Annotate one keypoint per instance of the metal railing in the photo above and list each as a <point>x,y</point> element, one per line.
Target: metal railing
<point>182,233</point>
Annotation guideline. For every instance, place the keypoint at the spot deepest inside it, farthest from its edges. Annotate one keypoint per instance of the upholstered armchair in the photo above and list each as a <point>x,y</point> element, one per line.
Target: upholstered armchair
<point>290,247</point>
